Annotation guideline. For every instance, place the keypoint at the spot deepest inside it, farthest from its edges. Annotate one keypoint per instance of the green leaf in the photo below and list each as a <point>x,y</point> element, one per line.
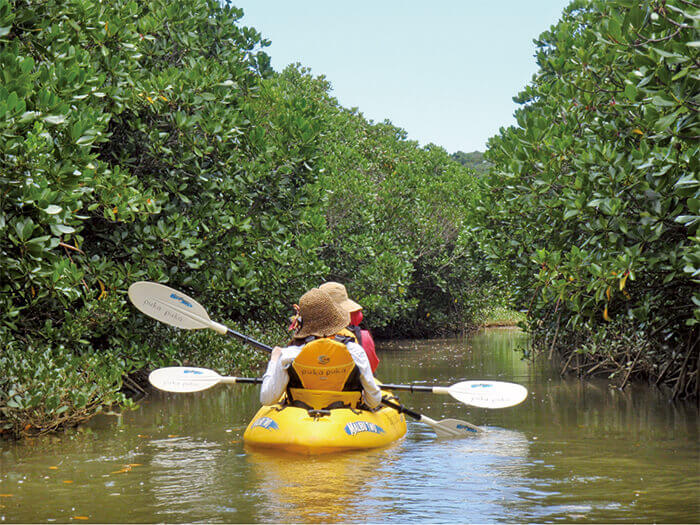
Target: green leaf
<point>24,228</point>
<point>28,116</point>
<point>664,122</point>
<point>54,119</point>
<point>663,100</point>
<point>86,139</point>
<point>694,205</point>
<point>59,229</point>
<point>27,65</point>
<point>687,220</point>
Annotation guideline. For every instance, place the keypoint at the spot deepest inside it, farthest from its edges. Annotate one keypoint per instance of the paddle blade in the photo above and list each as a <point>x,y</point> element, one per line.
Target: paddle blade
<point>451,428</point>
<point>168,306</point>
<point>488,394</point>
<point>183,379</point>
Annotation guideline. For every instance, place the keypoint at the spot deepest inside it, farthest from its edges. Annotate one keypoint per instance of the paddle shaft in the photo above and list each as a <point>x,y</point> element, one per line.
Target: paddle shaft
<point>446,428</point>
<point>246,339</point>
<point>236,380</point>
<point>402,409</point>
<point>419,388</point>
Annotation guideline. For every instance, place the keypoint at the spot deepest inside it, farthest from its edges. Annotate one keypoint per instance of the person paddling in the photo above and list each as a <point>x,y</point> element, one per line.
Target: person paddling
<point>339,294</point>
<point>321,368</point>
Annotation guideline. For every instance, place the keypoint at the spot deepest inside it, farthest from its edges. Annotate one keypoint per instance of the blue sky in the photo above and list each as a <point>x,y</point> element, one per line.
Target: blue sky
<point>445,71</point>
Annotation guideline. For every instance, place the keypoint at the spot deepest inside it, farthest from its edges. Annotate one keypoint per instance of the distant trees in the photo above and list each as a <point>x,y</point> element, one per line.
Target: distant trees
<point>475,160</point>
<point>391,219</point>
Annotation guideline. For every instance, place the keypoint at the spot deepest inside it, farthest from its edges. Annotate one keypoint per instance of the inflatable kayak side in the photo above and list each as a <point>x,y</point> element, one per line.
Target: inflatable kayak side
<point>300,431</point>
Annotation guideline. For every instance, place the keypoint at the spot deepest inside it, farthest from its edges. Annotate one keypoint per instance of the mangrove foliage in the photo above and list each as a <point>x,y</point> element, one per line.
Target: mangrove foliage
<point>152,141</point>
<point>594,197</point>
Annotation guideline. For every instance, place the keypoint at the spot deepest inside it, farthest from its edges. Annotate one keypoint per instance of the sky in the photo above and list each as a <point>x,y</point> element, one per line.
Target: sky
<point>444,70</point>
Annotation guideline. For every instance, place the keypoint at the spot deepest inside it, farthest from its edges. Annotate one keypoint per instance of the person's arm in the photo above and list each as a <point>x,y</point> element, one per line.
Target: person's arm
<point>368,345</point>
<point>275,379</point>
<point>371,394</point>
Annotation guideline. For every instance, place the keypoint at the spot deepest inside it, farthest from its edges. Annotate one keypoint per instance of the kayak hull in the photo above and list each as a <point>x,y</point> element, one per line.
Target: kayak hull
<point>295,430</point>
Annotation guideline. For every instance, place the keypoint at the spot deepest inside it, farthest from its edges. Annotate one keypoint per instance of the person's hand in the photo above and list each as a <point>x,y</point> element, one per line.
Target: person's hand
<point>276,353</point>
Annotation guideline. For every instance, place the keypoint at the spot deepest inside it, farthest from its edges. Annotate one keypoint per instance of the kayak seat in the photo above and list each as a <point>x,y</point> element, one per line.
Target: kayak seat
<point>324,375</point>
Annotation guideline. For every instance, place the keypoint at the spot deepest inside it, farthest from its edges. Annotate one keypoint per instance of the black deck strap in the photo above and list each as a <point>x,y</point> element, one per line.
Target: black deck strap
<point>300,404</point>
<point>335,405</point>
<point>362,406</point>
<point>316,413</point>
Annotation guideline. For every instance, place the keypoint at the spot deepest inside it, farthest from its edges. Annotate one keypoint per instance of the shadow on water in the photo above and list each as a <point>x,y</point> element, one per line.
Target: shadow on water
<point>573,451</point>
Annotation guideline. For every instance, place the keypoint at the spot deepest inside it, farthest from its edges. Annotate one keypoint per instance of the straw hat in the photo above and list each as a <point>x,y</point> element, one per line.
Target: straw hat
<point>320,316</point>
<point>340,296</point>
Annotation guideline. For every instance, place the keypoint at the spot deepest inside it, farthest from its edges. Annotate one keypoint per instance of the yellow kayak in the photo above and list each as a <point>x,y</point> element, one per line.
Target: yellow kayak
<point>303,431</point>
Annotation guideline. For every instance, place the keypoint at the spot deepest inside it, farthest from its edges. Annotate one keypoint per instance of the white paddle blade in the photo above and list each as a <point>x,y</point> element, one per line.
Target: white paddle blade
<point>183,379</point>
<point>451,428</point>
<point>455,428</point>
<point>169,306</point>
<point>488,394</point>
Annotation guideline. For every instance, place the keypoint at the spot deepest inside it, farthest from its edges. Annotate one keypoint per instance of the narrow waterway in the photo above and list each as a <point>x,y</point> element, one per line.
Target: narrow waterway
<point>573,451</point>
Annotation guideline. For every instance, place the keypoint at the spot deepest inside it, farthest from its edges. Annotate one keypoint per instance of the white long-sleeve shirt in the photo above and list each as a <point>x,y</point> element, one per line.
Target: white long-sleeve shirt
<point>276,377</point>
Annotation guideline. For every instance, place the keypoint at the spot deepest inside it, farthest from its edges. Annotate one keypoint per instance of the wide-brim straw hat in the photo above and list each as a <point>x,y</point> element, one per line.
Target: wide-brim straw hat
<point>340,295</point>
<point>320,315</point>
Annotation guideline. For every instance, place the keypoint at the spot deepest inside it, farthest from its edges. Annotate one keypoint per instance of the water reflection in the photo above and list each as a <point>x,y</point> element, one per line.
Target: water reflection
<point>328,488</point>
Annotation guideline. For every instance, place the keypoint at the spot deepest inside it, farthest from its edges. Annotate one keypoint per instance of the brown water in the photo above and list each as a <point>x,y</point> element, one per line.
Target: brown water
<point>573,451</point>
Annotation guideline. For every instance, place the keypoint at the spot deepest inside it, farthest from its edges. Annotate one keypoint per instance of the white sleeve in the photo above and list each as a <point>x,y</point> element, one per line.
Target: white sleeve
<point>276,377</point>
<point>371,394</point>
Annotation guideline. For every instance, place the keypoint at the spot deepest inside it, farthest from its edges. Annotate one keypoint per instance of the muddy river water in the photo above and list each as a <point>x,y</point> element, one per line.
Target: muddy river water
<point>572,452</point>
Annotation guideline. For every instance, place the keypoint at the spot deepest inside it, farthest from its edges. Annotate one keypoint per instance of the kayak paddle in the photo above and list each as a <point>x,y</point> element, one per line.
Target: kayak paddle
<point>172,307</point>
<point>187,379</point>
<point>485,394</point>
